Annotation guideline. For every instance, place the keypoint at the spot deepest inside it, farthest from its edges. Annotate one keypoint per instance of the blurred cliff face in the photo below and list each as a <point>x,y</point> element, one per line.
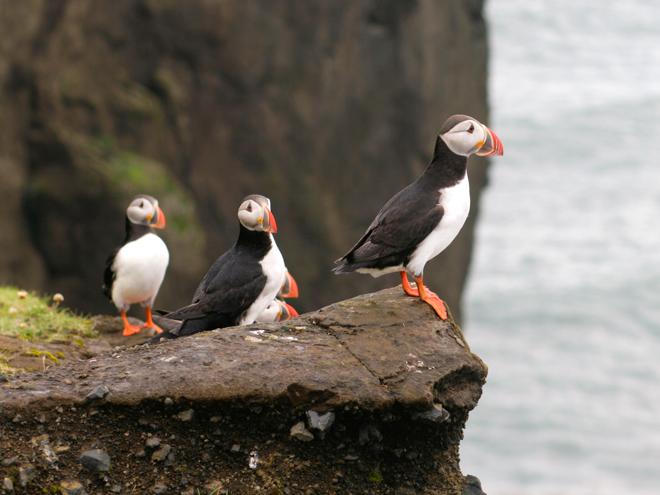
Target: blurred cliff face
<point>329,108</point>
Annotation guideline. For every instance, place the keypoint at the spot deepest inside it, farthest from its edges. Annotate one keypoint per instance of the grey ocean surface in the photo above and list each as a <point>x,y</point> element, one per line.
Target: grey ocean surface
<point>563,301</point>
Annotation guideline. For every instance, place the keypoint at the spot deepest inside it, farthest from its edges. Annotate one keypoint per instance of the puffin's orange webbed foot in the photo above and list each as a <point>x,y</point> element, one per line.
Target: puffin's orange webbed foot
<point>128,328</point>
<point>437,304</point>
<point>407,288</point>
<point>153,326</point>
<point>432,299</point>
<point>150,322</point>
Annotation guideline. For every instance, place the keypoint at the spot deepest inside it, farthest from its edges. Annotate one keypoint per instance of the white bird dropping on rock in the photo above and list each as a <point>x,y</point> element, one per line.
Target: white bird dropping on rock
<point>254,460</point>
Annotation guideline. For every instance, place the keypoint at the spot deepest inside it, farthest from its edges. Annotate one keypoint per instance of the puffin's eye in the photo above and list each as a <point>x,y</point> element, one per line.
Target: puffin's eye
<point>249,207</point>
<point>141,204</point>
<point>471,129</point>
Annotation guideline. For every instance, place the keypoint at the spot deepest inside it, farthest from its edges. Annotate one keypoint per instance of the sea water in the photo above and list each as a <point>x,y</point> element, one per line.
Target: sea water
<point>563,300</point>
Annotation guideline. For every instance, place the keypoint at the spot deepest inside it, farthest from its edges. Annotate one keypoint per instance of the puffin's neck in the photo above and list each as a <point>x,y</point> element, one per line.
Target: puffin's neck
<point>254,240</point>
<point>135,231</point>
<point>446,169</point>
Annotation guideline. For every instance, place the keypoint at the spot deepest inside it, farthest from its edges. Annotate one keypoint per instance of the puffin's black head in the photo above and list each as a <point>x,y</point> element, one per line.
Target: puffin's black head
<point>467,136</point>
<point>144,210</point>
<point>254,214</point>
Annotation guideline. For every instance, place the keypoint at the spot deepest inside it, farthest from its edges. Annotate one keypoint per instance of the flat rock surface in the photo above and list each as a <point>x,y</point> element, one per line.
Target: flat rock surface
<point>374,351</point>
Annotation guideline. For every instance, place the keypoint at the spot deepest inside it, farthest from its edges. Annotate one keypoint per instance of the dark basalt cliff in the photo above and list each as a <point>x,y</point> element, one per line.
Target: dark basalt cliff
<point>369,395</point>
<point>329,108</point>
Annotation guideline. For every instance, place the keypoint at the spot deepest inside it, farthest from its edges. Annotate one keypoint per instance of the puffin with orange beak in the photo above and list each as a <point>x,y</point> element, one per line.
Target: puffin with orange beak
<point>241,283</point>
<point>277,310</point>
<point>420,221</point>
<point>135,271</point>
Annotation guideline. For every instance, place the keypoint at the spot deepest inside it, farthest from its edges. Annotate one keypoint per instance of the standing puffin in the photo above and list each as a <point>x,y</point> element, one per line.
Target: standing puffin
<point>421,220</point>
<point>241,283</point>
<point>135,271</point>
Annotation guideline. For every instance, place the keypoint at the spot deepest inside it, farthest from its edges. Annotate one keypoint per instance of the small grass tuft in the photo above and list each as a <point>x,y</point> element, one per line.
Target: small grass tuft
<point>33,317</point>
<point>5,368</point>
<point>375,476</point>
<point>38,353</point>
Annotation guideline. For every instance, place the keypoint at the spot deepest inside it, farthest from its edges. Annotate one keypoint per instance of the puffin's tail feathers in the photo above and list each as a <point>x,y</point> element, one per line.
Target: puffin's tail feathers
<point>342,266</point>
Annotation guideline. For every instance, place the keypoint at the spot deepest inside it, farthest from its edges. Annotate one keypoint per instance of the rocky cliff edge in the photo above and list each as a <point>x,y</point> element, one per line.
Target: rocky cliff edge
<point>368,395</point>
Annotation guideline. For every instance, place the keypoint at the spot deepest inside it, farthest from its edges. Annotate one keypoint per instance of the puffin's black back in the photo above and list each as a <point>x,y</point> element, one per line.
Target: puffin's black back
<point>132,232</point>
<point>231,285</point>
<point>408,217</point>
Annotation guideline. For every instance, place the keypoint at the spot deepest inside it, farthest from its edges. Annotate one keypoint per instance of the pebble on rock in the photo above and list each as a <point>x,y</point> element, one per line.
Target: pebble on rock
<point>159,488</point>
<point>95,460</point>
<point>72,488</point>
<point>437,414</point>
<point>8,485</point>
<point>152,442</point>
<point>186,415</point>
<point>161,454</point>
<point>98,393</point>
<point>26,474</point>
<point>299,432</point>
<point>321,422</point>
<point>472,486</point>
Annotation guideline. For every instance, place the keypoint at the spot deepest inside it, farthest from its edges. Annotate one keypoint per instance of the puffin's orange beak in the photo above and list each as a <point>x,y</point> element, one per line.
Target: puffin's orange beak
<point>292,311</point>
<point>160,222</point>
<point>289,289</point>
<point>272,224</point>
<point>492,145</point>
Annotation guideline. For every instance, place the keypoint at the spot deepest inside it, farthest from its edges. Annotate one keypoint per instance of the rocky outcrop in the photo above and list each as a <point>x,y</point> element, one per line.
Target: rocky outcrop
<point>369,395</point>
<point>327,107</point>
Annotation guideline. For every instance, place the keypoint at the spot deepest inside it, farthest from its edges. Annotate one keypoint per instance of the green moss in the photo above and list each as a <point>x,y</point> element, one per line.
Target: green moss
<point>38,353</point>
<point>130,173</point>
<point>5,369</point>
<point>33,317</point>
<point>375,476</point>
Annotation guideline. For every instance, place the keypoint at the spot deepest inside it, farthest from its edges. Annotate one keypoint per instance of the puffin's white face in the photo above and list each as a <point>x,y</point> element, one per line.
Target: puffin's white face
<point>469,136</point>
<point>277,311</point>
<point>254,214</point>
<point>144,210</point>
<point>273,312</point>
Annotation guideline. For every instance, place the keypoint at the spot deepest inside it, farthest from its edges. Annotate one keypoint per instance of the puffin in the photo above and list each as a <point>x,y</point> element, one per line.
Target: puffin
<point>241,283</point>
<point>421,220</point>
<point>277,310</point>
<point>135,270</point>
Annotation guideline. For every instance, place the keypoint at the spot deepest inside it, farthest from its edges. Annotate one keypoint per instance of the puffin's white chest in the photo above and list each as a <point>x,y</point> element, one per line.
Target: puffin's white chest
<point>139,268</point>
<point>275,272</point>
<point>455,201</point>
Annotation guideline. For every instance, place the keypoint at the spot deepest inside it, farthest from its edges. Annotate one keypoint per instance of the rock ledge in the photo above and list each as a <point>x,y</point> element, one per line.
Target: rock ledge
<point>398,381</point>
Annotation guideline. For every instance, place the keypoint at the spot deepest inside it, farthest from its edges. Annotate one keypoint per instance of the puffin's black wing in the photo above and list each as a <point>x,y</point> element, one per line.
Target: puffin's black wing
<point>400,226</point>
<point>109,274</point>
<point>228,289</point>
